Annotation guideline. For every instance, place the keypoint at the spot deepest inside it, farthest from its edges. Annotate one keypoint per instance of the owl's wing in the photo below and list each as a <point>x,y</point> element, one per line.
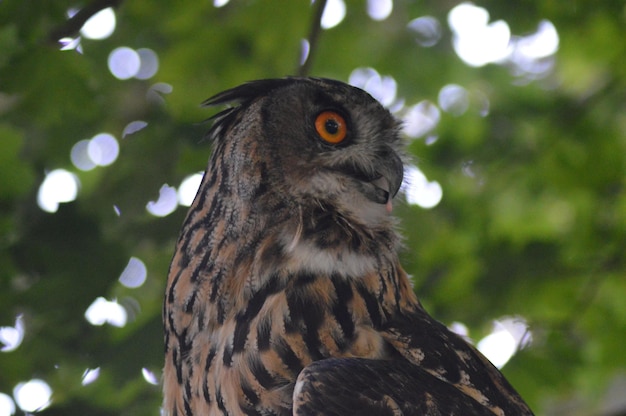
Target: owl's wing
<point>425,342</point>
<point>361,386</point>
<point>436,372</point>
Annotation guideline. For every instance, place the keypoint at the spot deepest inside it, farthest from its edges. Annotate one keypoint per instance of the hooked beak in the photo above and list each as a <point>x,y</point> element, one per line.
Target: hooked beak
<point>382,185</point>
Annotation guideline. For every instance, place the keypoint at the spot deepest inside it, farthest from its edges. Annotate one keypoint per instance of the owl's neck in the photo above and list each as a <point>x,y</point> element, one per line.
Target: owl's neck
<point>234,240</point>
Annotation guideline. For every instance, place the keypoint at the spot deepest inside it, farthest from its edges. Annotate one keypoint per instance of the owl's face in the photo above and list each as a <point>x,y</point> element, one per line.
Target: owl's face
<point>326,142</point>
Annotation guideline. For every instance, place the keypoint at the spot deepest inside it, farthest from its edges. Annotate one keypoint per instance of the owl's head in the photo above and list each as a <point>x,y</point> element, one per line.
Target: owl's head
<point>313,142</point>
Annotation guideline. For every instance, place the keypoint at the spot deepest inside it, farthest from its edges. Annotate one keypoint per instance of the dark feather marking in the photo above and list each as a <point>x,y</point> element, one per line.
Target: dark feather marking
<point>272,254</point>
<point>288,357</point>
<point>186,398</point>
<point>250,411</point>
<point>205,381</point>
<point>261,374</point>
<point>205,268</point>
<point>209,359</point>
<point>228,355</point>
<point>397,290</point>
<point>201,314</point>
<point>170,321</point>
<point>205,246</point>
<point>242,327</point>
<point>249,393</point>
<point>205,389</point>
<point>263,332</point>
<point>291,326</point>
<point>223,187</point>
<point>178,366</point>
<point>356,242</point>
<point>382,280</point>
<point>209,182</point>
<point>185,258</point>
<point>221,311</point>
<point>188,394</point>
<point>371,303</point>
<point>320,221</point>
<point>216,280</point>
<point>304,309</point>
<point>220,401</point>
<point>170,294</point>
<point>343,289</point>
<point>184,344</point>
<point>166,340</point>
<point>189,302</point>
<point>196,222</point>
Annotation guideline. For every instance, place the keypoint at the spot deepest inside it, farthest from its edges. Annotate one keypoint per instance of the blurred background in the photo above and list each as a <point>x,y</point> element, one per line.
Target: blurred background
<point>513,208</point>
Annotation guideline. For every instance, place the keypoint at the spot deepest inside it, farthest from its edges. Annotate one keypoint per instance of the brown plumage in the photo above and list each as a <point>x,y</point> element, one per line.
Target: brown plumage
<point>285,294</point>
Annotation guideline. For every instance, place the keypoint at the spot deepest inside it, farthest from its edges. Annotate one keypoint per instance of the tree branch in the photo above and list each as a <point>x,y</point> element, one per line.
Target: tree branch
<point>314,34</point>
<point>73,25</point>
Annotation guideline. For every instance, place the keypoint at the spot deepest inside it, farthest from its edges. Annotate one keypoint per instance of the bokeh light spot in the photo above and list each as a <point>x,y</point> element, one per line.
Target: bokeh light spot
<point>79,155</point>
<point>459,328</point>
<point>103,149</point>
<point>162,88</point>
<point>305,47</point>
<point>124,62</point>
<point>166,204</point>
<point>155,91</point>
<point>418,190</point>
<point>508,336</point>
<point>379,9</point>
<point>431,139</point>
<point>427,30</point>
<point>467,17</point>
<point>382,88</point>
<point>420,119</point>
<point>135,273</point>
<point>541,44</point>
<point>33,395</point>
<point>58,186</point>
<point>189,188</point>
<point>69,44</point>
<point>99,26</point>
<point>533,55</point>
<point>12,336</point>
<point>134,127</point>
<point>334,13</point>
<point>453,99</point>
<point>476,41</point>
<point>102,311</point>
<point>7,406</point>
<point>90,375</point>
<point>149,376</point>
<point>148,63</point>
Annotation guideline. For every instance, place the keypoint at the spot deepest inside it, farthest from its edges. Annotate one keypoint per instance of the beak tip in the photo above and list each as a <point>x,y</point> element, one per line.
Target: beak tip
<point>389,206</point>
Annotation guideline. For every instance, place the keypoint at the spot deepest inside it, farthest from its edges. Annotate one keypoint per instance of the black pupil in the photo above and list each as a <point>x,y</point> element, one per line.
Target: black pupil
<point>331,126</point>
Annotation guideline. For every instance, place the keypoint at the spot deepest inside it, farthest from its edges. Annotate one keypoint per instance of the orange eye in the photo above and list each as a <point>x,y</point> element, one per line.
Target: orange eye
<point>331,127</point>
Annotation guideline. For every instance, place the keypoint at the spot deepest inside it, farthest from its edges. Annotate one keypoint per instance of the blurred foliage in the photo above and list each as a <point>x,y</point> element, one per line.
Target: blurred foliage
<point>532,220</point>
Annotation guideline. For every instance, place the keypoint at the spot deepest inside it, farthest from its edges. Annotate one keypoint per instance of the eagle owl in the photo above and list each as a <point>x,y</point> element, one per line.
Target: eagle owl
<point>285,294</point>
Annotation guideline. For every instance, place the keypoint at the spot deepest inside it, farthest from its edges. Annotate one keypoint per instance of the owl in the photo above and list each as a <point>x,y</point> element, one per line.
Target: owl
<point>285,294</point>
